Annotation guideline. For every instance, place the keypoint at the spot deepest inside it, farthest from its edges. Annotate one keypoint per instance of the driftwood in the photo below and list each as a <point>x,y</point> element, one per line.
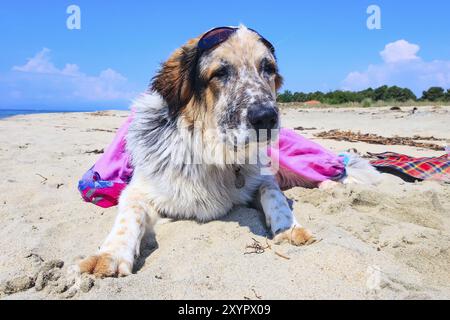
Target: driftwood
<point>96,151</point>
<point>376,139</point>
<point>100,130</point>
<point>304,129</point>
<point>100,114</point>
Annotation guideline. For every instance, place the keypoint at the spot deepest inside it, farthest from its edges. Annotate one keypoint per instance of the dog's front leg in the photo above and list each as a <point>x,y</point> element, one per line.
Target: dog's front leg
<point>116,256</point>
<point>279,216</point>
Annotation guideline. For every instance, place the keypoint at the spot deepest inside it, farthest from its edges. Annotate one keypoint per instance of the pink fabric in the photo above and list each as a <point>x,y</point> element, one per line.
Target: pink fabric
<point>302,163</point>
<point>114,165</point>
<point>306,160</point>
<point>105,181</point>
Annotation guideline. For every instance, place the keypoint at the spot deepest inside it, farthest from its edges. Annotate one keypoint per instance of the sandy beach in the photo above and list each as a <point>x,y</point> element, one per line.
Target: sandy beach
<point>390,241</point>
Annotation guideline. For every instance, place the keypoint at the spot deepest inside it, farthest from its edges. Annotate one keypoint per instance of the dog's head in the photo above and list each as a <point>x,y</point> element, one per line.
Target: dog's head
<point>228,84</point>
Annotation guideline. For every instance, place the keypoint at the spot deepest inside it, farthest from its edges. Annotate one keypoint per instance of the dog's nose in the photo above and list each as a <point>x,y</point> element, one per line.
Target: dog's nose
<point>263,118</point>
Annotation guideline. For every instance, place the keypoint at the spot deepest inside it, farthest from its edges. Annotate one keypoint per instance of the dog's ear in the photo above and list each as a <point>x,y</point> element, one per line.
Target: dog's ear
<point>278,77</point>
<point>175,81</point>
<point>278,81</point>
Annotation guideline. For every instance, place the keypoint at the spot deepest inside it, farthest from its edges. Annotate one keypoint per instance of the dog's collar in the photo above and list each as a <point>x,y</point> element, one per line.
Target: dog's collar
<point>239,180</point>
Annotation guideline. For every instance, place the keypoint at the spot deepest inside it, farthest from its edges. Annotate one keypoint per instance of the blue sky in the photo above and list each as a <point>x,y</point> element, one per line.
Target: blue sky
<point>321,45</point>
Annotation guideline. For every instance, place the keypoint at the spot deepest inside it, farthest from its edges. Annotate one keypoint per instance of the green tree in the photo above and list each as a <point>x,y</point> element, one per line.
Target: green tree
<point>285,97</point>
<point>399,94</point>
<point>380,93</point>
<point>408,95</point>
<point>338,97</point>
<point>318,95</point>
<point>300,97</point>
<point>365,94</point>
<point>447,95</point>
<point>434,94</point>
<point>385,93</point>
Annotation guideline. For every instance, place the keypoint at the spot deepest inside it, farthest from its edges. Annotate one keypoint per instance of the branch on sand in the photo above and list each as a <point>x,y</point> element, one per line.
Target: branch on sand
<point>96,151</point>
<point>44,179</point>
<point>258,248</point>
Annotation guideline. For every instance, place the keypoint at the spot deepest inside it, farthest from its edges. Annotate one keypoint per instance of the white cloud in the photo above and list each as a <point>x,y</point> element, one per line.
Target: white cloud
<point>40,63</point>
<point>71,70</point>
<point>39,81</point>
<point>108,86</point>
<point>400,50</point>
<point>402,67</point>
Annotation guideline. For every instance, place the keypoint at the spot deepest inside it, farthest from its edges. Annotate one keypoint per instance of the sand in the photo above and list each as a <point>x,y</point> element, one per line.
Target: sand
<point>391,241</point>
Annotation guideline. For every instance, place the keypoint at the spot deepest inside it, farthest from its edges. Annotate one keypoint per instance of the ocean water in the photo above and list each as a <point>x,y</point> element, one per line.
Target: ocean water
<point>5,113</point>
<point>9,113</point>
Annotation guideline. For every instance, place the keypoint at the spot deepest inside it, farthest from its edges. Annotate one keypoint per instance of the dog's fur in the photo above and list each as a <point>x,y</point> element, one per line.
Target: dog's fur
<point>193,102</point>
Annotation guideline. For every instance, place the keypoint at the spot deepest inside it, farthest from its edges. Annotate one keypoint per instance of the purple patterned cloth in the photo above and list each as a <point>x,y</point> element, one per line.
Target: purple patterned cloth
<point>104,182</point>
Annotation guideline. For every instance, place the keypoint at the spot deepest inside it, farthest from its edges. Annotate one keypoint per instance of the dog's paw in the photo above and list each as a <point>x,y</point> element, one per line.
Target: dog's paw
<point>296,236</point>
<point>105,265</point>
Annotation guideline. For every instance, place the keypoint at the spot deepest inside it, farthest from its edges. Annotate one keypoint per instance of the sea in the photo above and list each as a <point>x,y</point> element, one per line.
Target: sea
<point>5,113</point>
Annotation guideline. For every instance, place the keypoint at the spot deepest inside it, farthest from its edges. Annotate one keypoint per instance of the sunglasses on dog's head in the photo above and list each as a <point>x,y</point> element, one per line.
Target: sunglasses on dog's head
<point>216,36</point>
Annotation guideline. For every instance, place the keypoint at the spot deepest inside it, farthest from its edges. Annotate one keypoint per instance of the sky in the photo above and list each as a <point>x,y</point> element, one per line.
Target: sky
<point>321,45</point>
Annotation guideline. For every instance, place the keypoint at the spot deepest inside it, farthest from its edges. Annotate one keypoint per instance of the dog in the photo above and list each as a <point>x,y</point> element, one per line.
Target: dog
<point>215,93</point>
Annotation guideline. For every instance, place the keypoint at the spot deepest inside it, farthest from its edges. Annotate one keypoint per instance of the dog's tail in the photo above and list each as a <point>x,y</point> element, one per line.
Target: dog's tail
<point>359,170</point>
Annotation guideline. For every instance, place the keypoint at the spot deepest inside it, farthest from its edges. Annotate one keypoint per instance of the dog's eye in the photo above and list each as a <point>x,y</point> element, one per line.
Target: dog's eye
<point>268,67</point>
<point>220,73</point>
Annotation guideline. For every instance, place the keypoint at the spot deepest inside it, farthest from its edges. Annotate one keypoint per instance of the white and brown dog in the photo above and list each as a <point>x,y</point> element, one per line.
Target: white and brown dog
<point>207,99</point>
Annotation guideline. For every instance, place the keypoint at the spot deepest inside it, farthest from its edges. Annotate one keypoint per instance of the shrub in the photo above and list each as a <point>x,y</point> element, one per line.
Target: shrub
<point>367,103</point>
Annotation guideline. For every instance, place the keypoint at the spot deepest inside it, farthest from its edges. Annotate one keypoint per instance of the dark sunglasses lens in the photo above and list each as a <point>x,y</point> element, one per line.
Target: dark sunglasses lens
<point>215,37</point>
<point>265,41</point>
<point>219,35</point>
<point>268,45</point>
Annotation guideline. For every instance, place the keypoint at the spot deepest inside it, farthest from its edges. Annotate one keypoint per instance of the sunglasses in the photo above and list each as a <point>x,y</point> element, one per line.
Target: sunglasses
<point>216,36</point>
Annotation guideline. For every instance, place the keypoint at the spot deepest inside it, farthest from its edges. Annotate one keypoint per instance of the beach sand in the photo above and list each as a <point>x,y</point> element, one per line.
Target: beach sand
<point>391,241</point>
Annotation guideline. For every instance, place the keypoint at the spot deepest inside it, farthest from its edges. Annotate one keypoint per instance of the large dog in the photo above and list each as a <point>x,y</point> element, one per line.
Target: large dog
<point>206,101</point>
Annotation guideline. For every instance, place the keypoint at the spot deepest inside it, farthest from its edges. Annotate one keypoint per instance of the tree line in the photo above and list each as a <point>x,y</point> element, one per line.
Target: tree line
<point>383,93</point>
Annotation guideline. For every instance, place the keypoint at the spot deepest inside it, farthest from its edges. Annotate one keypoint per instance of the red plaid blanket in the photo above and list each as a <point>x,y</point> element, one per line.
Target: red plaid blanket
<point>411,169</point>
